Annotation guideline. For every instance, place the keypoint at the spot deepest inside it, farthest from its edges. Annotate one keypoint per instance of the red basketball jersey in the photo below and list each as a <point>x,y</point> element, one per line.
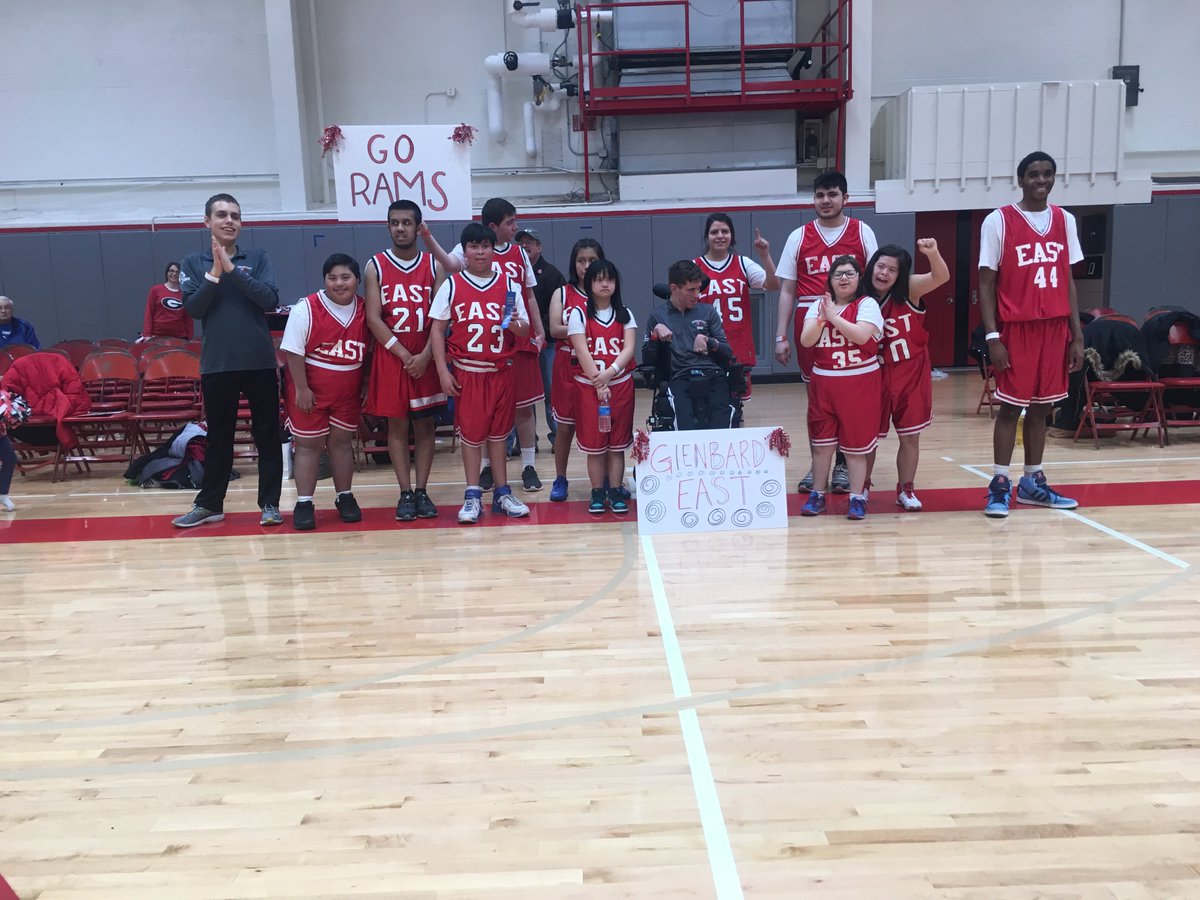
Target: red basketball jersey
<point>816,255</point>
<point>729,291</point>
<point>904,334</point>
<point>332,345</point>
<point>835,354</point>
<point>511,265</point>
<point>605,342</point>
<point>573,298</point>
<point>405,294</point>
<point>1034,278</point>
<point>476,319</point>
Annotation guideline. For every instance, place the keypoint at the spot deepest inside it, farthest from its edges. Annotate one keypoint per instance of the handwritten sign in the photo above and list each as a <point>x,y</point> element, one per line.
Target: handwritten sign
<point>375,166</point>
<point>728,480</point>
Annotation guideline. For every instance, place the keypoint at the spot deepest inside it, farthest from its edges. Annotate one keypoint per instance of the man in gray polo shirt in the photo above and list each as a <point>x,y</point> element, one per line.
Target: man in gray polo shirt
<point>230,289</point>
<point>692,333</point>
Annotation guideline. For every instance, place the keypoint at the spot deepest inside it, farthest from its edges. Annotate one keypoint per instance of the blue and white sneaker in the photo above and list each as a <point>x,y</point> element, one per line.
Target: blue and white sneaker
<point>1032,489</point>
<point>504,502</point>
<point>999,493</point>
<point>858,508</point>
<point>815,505</point>
<point>472,507</point>
<point>558,490</point>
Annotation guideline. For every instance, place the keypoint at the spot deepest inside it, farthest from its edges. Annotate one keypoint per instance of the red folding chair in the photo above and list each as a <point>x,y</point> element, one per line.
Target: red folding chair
<point>108,433</point>
<point>16,351</point>
<point>114,343</point>
<point>6,360</point>
<point>1181,405</point>
<point>988,396</point>
<point>76,351</point>
<point>168,399</point>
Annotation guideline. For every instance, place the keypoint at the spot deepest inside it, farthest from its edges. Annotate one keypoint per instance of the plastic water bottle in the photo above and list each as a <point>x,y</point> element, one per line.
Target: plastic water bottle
<point>510,303</point>
<point>605,418</point>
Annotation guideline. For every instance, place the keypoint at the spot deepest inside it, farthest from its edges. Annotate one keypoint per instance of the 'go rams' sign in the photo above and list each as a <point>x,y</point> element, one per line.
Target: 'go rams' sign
<point>375,166</point>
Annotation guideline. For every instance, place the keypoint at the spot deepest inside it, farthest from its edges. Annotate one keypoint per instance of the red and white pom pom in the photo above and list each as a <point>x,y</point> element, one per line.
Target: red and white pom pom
<point>463,134</point>
<point>331,138</point>
<point>780,442</point>
<point>641,445</point>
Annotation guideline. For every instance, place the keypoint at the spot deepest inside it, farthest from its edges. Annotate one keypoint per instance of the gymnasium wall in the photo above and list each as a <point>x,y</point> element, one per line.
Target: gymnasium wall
<point>93,283</point>
<point>1151,254</point>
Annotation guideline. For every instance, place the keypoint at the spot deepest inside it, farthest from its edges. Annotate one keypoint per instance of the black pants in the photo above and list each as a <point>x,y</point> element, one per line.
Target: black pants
<point>700,398</point>
<point>222,391</point>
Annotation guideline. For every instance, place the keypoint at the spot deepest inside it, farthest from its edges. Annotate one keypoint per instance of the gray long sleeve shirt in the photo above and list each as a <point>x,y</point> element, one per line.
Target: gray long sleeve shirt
<point>704,319</point>
<point>236,335</point>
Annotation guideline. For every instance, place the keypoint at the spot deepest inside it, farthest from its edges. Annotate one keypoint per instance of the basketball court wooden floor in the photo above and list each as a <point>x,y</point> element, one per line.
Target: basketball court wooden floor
<point>921,705</point>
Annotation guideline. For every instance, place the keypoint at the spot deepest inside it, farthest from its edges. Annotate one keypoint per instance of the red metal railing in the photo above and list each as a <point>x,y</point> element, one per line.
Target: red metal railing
<point>828,91</point>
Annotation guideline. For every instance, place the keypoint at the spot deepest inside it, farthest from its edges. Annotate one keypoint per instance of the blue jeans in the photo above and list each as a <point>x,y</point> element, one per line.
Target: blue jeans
<point>546,361</point>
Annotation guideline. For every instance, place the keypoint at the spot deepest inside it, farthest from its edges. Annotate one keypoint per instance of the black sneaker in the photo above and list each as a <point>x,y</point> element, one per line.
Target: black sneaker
<point>406,509</point>
<point>425,507</point>
<point>617,502</point>
<point>486,481</point>
<point>304,516</point>
<point>598,504</point>
<point>840,482</point>
<point>530,481</point>
<point>347,508</point>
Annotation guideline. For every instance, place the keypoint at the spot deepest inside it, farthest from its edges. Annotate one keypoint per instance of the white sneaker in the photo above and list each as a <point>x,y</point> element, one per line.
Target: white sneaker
<point>906,499</point>
<point>472,508</point>
<point>509,505</point>
<point>6,504</point>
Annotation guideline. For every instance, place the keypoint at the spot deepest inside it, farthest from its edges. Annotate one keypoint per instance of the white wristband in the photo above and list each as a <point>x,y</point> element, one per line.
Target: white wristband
<point>616,370</point>
<point>391,343</point>
<point>992,336</point>
<point>212,278</point>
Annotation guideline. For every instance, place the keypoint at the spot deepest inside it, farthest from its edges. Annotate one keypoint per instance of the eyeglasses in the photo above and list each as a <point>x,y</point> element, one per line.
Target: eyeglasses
<point>844,276</point>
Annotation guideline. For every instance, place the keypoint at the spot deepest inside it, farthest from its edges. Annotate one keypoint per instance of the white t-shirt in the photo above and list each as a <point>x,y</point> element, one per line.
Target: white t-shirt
<point>989,236</point>
<point>299,323</point>
<point>868,313</point>
<point>530,278</point>
<point>440,308</point>
<point>577,320</point>
<point>791,250</point>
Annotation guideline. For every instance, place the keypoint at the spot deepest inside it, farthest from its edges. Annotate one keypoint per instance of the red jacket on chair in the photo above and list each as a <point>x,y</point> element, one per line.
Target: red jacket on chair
<point>51,387</point>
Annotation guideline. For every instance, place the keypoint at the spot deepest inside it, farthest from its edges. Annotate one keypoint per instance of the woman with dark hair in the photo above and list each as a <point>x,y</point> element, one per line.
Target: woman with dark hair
<point>164,309</point>
<point>562,385</point>
<point>325,341</point>
<point>730,279</point>
<point>844,329</point>
<point>604,336</point>
<point>907,383</point>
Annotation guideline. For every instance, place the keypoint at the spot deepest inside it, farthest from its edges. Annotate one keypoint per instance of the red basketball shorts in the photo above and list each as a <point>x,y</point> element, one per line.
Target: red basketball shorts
<point>588,436</point>
<point>741,339</point>
<point>336,402</point>
<point>562,388</point>
<point>484,409</point>
<point>527,379</point>
<point>804,355</point>
<point>844,410</point>
<point>907,400</point>
<point>1037,362</point>
<point>392,392</point>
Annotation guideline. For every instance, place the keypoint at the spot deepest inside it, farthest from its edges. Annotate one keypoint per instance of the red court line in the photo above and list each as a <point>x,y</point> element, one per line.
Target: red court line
<point>945,500</point>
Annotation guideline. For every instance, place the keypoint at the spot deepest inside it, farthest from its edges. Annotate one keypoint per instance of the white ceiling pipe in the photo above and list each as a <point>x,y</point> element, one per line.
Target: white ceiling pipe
<point>551,103</point>
<point>545,19</point>
<point>499,64</point>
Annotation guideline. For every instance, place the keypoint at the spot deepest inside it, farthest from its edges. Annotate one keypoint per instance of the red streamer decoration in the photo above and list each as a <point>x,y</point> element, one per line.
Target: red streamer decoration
<point>780,442</point>
<point>641,445</point>
<point>463,134</point>
<point>331,138</point>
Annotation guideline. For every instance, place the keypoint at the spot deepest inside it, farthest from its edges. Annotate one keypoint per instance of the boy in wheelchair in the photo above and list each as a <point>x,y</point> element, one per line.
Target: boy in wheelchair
<point>687,359</point>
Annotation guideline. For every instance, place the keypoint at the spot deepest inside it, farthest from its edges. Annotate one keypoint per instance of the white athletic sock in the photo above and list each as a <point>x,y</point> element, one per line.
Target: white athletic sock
<point>304,499</point>
<point>861,497</point>
<point>6,504</point>
<point>1000,470</point>
<point>1032,470</point>
<point>341,494</point>
<point>527,456</point>
<point>487,464</point>
<point>474,487</point>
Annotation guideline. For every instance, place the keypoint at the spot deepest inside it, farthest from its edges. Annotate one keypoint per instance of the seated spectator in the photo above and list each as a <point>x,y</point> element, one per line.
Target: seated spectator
<point>164,309</point>
<point>14,330</point>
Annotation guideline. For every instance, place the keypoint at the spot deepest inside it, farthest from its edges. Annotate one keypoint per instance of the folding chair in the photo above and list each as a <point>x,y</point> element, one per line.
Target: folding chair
<point>1105,409</point>
<point>1181,406</point>
<point>76,351</point>
<point>107,434</point>
<point>6,360</point>
<point>114,343</point>
<point>169,397</point>
<point>16,351</point>
<point>988,396</point>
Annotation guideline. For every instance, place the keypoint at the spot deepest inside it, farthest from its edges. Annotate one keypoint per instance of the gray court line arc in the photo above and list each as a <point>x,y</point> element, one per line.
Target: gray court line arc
<point>191,763</point>
<point>629,557</point>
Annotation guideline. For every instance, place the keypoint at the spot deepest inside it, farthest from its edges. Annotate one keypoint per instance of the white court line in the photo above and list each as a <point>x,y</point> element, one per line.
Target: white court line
<point>712,820</point>
<point>948,459</point>
<point>152,492</point>
<point>1111,532</point>
<point>1106,462</point>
